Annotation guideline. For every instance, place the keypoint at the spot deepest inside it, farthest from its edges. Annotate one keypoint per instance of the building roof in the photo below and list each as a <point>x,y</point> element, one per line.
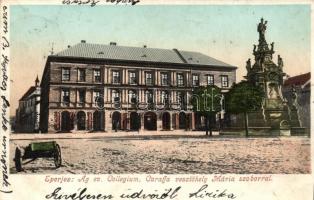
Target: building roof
<point>116,52</point>
<point>29,91</point>
<point>301,80</point>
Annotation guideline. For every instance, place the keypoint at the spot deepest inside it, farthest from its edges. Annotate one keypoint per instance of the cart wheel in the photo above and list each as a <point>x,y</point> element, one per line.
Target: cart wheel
<point>18,160</point>
<point>57,156</point>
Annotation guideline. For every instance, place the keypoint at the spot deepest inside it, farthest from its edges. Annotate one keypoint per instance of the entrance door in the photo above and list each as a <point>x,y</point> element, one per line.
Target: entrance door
<point>116,120</point>
<point>135,121</point>
<point>97,121</point>
<point>150,121</point>
<point>166,121</point>
<point>81,120</point>
<point>65,121</point>
<point>182,120</point>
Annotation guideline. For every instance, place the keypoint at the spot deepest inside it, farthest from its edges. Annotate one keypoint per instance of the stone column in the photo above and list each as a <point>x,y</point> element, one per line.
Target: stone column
<point>158,97</point>
<point>142,96</point>
<point>170,121</point>
<point>109,74</point>
<point>173,119</point>
<point>187,79</point>
<point>105,75</point>
<point>156,77</point>
<point>174,78</point>
<point>143,77</point>
<point>159,122</point>
<point>89,98</point>
<point>89,121</point>
<point>104,121</point>
<point>126,76</point>
<point>73,117</point>
<point>109,96</point>
<point>108,121</point>
<point>142,121</point>
<point>122,96</point>
<point>56,120</point>
<point>177,120</point>
<point>105,95</point>
<point>128,121</point>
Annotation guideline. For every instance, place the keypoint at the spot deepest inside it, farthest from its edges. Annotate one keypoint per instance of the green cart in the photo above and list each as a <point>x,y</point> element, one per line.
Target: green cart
<point>38,150</point>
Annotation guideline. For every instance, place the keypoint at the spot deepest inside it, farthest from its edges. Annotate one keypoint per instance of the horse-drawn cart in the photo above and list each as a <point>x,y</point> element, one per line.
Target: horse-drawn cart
<point>38,150</point>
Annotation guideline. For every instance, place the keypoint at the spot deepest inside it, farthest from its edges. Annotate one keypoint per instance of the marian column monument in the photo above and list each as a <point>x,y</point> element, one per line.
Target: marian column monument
<point>277,115</point>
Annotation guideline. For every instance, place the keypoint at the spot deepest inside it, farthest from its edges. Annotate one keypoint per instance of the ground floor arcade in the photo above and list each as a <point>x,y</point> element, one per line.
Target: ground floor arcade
<point>116,120</point>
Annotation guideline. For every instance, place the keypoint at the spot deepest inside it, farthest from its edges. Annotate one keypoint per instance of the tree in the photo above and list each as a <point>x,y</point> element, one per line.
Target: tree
<point>206,102</point>
<point>243,98</point>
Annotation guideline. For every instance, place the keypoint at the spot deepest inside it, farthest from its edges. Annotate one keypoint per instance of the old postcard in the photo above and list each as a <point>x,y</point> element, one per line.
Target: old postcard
<point>140,99</point>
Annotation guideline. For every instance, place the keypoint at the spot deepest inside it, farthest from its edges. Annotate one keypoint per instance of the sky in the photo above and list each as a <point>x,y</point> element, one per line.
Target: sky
<point>224,32</point>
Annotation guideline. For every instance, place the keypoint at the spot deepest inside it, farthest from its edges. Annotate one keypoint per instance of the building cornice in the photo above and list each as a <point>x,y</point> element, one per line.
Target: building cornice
<point>66,59</point>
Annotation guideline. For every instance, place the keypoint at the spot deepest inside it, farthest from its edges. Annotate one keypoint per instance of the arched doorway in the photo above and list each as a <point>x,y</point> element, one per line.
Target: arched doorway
<point>197,121</point>
<point>135,121</point>
<point>150,121</point>
<point>182,120</point>
<point>166,121</point>
<point>65,121</point>
<point>97,120</point>
<point>81,120</point>
<point>116,120</point>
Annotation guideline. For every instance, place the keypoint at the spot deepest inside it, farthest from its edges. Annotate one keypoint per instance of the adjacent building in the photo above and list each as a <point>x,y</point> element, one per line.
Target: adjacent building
<point>28,112</point>
<point>301,85</point>
<point>96,87</point>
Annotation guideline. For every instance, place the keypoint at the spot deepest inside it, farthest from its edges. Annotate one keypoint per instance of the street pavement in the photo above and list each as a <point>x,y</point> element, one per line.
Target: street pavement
<point>168,153</point>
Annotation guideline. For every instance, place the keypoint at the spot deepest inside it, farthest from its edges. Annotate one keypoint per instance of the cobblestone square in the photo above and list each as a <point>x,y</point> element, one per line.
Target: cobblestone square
<point>174,155</point>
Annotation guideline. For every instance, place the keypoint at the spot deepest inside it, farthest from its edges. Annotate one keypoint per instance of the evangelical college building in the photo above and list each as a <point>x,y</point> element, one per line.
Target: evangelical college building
<point>95,87</point>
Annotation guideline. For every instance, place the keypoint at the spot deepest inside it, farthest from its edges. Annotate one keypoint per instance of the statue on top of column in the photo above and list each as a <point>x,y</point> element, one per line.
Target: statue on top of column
<point>261,28</point>
<point>280,62</point>
<point>248,65</point>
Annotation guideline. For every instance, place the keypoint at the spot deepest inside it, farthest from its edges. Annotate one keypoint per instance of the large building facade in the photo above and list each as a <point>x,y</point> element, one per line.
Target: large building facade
<point>93,87</point>
<point>28,112</point>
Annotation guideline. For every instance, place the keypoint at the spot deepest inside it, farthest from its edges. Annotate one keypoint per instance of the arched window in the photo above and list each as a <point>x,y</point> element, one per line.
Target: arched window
<point>115,96</point>
<point>149,96</point>
<point>132,96</point>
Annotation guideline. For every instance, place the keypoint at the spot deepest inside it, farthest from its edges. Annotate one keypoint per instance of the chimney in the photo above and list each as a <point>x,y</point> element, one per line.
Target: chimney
<point>83,41</point>
<point>69,46</point>
<point>113,44</point>
<point>145,46</point>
